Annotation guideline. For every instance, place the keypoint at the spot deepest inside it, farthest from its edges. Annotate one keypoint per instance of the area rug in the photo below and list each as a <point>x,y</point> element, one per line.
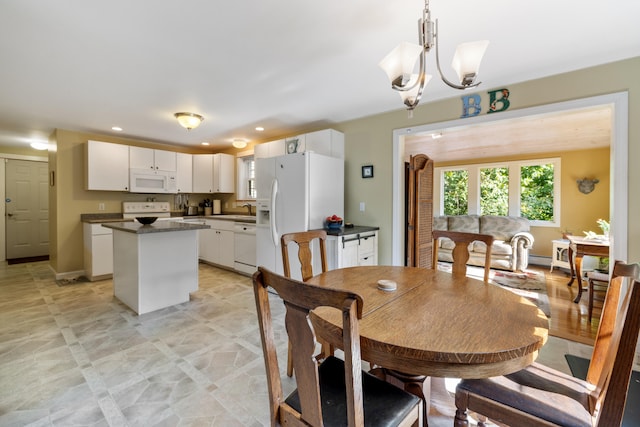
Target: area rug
<point>579,367</point>
<point>531,285</point>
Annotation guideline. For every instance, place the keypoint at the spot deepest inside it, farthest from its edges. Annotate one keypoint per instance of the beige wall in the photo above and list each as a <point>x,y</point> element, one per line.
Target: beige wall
<point>369,141</point>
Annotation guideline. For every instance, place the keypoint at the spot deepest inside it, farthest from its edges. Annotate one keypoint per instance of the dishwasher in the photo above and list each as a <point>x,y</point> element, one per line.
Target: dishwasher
<point>245,247</point>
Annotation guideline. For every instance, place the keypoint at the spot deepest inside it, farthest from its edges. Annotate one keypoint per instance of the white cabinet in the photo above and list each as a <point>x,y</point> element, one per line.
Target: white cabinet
<point>223,173</point>
<point>213,173</point>
<point>184,172</point>
<point>216,245</point>
<point>147,158</point>
<point>269,149</point>
<point>328,142</point>
<point>98,251</point>
<point>107,166</point>
<point>203,173</point>
<point>353,250</point>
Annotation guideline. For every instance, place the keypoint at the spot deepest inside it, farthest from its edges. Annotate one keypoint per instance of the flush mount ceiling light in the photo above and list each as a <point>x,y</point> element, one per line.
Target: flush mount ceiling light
<point>189,120</point>
<point>239,143</point>
<point>37,145</point>
<point>400,63</point>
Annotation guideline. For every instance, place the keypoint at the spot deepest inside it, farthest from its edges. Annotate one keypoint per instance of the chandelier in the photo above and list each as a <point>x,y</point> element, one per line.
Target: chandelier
<point>400,63</point>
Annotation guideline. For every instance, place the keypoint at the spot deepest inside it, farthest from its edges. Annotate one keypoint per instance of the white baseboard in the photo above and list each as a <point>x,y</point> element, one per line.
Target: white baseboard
<point>540,260</point>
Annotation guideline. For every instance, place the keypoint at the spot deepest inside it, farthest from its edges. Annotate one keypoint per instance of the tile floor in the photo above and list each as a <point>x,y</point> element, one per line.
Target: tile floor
<point>74,355</point>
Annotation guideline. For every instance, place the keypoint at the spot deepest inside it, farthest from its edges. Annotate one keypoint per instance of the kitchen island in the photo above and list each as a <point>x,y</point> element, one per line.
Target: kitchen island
<point>154,266</point>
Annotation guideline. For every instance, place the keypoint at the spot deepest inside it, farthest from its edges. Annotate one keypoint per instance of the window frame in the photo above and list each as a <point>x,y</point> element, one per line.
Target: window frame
<point>473,206</point>
<point>241,175</point>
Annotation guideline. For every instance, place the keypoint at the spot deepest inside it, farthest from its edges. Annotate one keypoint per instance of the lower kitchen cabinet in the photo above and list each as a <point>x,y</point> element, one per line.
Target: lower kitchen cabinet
<point>216,245</point>
<point>98,251</point>
<point>351,247</point>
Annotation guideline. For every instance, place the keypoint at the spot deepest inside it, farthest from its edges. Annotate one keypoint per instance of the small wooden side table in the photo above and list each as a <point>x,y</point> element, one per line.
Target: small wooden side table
<point>578,247</point>
<point>560,254</point>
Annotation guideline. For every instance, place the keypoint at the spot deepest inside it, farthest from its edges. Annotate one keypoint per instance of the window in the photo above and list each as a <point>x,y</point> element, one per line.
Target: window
<point>456,187</point>
<point>494,191</point>
<point>530,189</point>
<point>246,176</point>
<point>536,192</point>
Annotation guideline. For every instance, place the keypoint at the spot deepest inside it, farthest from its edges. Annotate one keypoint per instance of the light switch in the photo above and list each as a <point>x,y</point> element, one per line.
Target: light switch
<point>361,206</point>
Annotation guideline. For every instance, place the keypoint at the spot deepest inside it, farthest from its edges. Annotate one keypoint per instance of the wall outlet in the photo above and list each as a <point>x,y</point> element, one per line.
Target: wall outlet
<point>361,206</point>
<point>100,206</point>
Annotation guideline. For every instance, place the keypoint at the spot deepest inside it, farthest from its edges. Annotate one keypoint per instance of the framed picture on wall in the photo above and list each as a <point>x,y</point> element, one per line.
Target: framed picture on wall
<point>367,171</point>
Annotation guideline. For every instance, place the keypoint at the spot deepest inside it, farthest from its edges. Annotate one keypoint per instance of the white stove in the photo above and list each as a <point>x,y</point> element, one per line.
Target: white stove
<point>131,210</point>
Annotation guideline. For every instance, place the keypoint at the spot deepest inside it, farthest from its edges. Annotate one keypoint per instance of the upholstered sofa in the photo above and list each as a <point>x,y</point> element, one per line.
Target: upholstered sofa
<point>512,240</point>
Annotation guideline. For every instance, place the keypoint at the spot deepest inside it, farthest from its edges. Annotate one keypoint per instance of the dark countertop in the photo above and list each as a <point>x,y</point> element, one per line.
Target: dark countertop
<point>356,229</point>
<point>100,218</point>
<point>97,218</point>
<point>156,227</point>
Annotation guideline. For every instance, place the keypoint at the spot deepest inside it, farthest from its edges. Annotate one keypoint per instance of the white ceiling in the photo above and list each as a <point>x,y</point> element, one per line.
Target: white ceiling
<point>285,65</point>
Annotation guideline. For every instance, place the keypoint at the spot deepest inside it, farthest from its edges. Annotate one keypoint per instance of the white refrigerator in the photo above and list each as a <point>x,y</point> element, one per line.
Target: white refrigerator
<point>295,192</point>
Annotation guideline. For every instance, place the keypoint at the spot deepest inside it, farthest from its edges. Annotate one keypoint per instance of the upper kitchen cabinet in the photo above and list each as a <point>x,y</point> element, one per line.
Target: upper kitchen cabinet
<point>184,172</point>
<point>327,142</point>
<point>223,173</point>
<point>203,173</point>
<point>150,159</point>
<point>107,166</point>
<point>213,173</point>
<point>269,149</point>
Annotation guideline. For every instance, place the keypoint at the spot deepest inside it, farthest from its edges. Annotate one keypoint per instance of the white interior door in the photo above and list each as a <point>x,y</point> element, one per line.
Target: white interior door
<point>27,209</point>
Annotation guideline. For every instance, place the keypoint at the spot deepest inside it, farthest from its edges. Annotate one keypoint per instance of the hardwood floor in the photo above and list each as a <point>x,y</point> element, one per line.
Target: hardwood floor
<point>568,319</point>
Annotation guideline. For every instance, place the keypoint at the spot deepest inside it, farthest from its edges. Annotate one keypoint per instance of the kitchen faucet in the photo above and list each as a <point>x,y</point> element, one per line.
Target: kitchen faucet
<point>248,206</point>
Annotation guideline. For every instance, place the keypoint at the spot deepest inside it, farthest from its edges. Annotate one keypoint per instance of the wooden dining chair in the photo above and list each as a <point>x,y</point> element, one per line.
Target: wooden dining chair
<point>598,284</point>
<point>336,392</point>
<point>304,241</point>
<point>460,252</point>
<point>538,395</point>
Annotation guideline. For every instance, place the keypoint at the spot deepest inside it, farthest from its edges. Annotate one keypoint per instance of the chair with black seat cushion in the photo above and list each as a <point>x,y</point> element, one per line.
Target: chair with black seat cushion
<point>304,241</point>
<point>460,252</point>
<point>539,395</point>
<point>336,392</point>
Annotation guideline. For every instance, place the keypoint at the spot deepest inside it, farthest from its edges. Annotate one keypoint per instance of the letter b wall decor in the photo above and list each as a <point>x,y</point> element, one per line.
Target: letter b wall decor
<point>498,102</point>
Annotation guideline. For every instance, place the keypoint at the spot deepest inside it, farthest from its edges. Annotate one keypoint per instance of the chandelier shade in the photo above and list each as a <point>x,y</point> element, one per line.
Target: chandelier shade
<point>399,64</point>
<point>466,60</point>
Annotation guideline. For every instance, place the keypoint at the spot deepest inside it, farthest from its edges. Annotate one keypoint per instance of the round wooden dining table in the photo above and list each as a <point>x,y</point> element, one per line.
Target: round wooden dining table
<point>433,324</point>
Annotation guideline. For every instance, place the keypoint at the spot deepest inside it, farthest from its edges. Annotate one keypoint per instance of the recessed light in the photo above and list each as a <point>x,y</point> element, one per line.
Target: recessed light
<point>204,143</point>
<point>259,128</point>
<point>117,128</point>
<point>436,135</point>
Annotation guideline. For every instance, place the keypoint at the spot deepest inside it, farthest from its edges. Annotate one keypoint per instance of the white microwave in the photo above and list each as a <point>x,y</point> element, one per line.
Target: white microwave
<point>152,181</point>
